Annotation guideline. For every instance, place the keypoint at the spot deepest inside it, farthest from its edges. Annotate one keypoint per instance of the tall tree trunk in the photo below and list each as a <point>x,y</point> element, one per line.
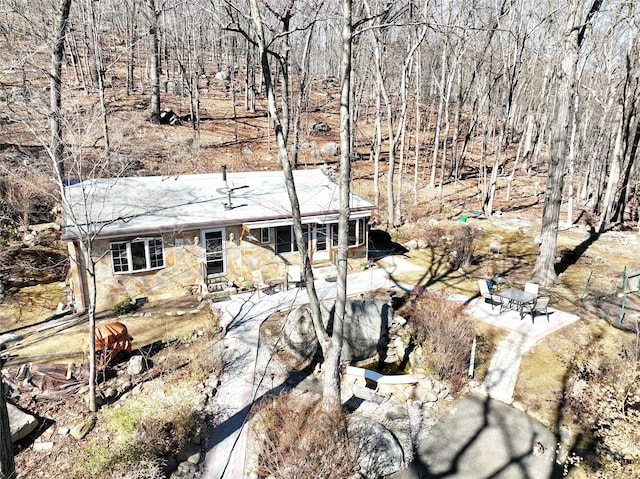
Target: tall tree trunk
<point>493,182</point>
<point>7,465</point>
<point>574,31</point>
<point>331,392</point>
<point>57,56</point>
<point>418,144</point>
<point>99,68</point>
<point>130,12</point>
<point>436,135</point>
<point>303,94</point>
<point>155,67</point>
<point>377,147</point>
<point>285,163</point>
<point>572,159</point>
<point>617,157</point>
<point>623,197</point>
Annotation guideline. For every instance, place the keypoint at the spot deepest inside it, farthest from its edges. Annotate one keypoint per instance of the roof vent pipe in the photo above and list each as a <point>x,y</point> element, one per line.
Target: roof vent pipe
<point>226,190</point>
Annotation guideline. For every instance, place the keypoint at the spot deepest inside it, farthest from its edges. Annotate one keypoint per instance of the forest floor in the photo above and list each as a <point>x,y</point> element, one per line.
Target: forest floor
<point>245,142</point>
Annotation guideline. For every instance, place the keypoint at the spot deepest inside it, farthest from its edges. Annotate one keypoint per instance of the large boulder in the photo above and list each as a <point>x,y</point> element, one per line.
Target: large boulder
<point>365,329</point>
<point>379,452</point>
<point>20,423</point>
<point>330,149</point>
<point>298,333</point>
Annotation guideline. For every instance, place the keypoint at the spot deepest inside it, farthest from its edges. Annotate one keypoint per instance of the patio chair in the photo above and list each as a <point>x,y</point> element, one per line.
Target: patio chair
<point>294,276</point>
<point>538,307</point>
<point>485,292</point>
<point>531,288</point>
<point>259,283</point>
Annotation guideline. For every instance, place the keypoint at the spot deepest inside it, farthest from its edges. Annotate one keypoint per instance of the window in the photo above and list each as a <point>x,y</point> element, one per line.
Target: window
<point>356,233</point>
<point>285,240</point>
<point>138,255</point>
<point>265,235</point>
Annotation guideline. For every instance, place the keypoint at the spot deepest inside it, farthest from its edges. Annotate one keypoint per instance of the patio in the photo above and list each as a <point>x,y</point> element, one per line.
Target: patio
<point>510,319</point>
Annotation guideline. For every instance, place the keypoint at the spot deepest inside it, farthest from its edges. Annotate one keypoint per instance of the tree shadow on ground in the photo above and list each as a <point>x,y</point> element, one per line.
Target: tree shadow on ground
<point>485,439</point>
<point>571,257</point>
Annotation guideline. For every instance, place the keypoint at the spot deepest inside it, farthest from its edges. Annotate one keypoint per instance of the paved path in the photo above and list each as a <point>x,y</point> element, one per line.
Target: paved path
<point>241,317</point>
<point>500,381</point>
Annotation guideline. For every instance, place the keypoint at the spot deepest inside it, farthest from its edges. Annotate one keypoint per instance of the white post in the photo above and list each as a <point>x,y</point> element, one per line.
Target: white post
<point>472,360</point>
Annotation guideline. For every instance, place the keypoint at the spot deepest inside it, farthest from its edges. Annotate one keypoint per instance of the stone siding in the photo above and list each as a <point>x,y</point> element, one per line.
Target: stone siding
<point>183,273</point>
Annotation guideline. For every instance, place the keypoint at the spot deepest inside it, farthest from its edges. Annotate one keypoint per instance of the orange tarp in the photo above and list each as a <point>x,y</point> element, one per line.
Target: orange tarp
<point>110,339</point>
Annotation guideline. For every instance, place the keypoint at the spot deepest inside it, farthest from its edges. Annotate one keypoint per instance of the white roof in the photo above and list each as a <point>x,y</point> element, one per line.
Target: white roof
<point>116,207</point>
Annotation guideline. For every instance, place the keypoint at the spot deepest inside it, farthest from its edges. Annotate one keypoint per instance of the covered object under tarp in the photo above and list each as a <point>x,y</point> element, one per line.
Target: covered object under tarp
<point>46,381</point>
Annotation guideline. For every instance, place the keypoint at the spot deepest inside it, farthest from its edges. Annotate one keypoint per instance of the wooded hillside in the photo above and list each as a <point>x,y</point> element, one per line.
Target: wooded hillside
<point>441,93</point>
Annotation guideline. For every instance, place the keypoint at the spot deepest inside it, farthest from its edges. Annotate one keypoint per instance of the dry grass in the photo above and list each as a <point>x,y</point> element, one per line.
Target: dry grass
<point>298,440</point>
<point>163,321</point>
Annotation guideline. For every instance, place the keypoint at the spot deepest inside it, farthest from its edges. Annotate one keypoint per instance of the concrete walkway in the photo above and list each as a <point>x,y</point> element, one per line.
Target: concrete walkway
<point>241,317</point>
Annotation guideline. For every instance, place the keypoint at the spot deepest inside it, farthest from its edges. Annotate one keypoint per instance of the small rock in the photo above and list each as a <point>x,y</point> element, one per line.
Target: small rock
<point>538,449</point>
<point>424,395</point>
<point>136,365</point>
<point>411,244</point>
<point>43,446</point>
<point>190,453</point>
<point>21,424</point>
<point>63,431</point>
<point>399,320</point>
<point>321,127</point>
<point>187,468</point>
<point>82,429</point>
<point>110,392</point>
<point>426,384</point>
<point>444,392</point>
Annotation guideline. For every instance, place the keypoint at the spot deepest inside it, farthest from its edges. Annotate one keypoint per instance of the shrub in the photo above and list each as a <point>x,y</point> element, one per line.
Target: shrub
<point>144,428</point>
<point>444,333</point>
<point>463,245</point>
<point>457,240</point>
<point>8,220</point>
<point>299,440</point>
<point>123,307</point>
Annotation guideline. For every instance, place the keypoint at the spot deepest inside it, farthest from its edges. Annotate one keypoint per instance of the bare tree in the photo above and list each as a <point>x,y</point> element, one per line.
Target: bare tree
<point>154,12</point>
<point>573,36</point>
<point>331,392</point>
<point>627,129</point>
<point>57,56</point>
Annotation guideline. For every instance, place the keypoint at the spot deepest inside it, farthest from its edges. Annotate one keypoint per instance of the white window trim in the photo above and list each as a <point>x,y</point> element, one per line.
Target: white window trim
<point>147,254</point>
<point>268,230</point>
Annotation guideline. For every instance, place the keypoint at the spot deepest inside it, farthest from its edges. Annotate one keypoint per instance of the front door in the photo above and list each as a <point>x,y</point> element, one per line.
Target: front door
<point>319,242</point>
<point>214,257</point>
